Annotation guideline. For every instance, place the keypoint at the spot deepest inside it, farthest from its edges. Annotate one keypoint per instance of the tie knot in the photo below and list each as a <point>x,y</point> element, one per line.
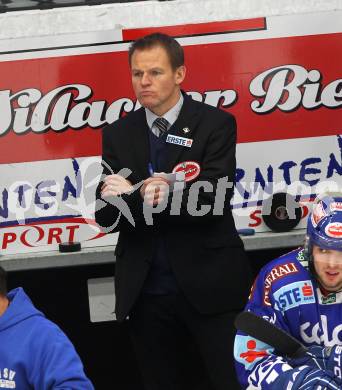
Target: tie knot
<point>161,124</point>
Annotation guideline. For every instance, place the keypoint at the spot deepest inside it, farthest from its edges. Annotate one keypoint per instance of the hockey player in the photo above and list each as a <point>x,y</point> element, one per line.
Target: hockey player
<point>301,293</point>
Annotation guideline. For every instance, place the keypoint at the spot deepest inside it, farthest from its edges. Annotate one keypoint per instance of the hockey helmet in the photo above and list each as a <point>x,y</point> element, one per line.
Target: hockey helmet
<point>324,227</point>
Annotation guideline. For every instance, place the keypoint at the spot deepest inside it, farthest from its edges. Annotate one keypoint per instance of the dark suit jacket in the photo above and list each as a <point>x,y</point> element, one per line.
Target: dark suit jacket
<point>205,252</point>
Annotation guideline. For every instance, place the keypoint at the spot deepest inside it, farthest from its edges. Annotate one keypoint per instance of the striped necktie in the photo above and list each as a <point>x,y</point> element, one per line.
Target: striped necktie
<point>161,124</point>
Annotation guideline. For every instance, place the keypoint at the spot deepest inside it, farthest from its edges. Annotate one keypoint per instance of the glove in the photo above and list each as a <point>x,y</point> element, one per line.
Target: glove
<point>324,358</point>
<point>306,378</point>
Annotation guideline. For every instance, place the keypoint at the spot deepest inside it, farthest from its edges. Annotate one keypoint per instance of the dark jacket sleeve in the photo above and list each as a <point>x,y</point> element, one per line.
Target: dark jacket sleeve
<point>121,212</point>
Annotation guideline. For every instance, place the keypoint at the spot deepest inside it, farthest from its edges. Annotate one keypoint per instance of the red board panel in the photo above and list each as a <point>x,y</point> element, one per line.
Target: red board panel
<point>211,67</point>
<point>198,28</point>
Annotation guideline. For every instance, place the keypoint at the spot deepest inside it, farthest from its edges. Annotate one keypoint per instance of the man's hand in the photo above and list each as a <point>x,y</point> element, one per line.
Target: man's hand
<point>114,185</point>
<point>325,358</point>
<point>306,378</point>
<point>154,191</point>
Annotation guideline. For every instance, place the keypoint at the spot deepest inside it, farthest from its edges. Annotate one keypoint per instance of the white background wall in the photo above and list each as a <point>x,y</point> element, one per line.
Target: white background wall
<point>148,13</point>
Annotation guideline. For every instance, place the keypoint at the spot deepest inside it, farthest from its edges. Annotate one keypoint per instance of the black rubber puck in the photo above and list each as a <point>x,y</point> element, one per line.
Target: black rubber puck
<point>66,247</point>
<point>281,212</point>
<point>246,232</point>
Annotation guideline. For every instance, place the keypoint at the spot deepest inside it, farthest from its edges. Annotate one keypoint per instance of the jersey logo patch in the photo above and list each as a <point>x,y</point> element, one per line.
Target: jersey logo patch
<point>248,351</point>
<point>294,294</point>
<point>276,273</point>
<point>322,332</point>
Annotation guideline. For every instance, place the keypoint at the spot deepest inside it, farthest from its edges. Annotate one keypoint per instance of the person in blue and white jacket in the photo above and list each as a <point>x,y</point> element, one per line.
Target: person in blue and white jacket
<point>34,353</point>
<point>301,293</point>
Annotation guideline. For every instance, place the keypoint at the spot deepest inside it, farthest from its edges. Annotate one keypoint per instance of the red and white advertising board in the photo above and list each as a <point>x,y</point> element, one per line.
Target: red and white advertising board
<point>280,76</point>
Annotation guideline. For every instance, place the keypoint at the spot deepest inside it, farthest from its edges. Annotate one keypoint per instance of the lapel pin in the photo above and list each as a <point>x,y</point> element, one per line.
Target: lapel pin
<point>186,130</point>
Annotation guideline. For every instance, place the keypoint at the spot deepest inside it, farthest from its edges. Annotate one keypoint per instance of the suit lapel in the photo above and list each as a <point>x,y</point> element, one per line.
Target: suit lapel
<point>140,145</point>
<point>187,119</point>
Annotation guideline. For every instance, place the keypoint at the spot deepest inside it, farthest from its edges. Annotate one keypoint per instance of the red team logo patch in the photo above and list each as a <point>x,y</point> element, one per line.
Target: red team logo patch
<point>252,354</point>
<point>191,169</point>
<point>307,290</point>
<point>334,230</point>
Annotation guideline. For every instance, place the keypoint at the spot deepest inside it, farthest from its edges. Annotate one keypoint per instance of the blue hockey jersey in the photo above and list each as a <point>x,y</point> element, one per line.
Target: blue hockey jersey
<point>34,353</point>
<point>285,294</point>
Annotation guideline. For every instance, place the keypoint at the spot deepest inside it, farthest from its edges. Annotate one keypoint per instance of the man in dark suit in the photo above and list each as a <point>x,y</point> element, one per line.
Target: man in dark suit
<point>184,276</point>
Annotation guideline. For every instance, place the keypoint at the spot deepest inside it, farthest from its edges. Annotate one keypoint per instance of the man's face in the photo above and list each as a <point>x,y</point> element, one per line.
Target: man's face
<point>155,83</point>
<point>328,266</point>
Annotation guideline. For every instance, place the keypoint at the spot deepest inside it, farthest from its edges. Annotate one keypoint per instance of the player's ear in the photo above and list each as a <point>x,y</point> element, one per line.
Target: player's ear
<point>180,74</point>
